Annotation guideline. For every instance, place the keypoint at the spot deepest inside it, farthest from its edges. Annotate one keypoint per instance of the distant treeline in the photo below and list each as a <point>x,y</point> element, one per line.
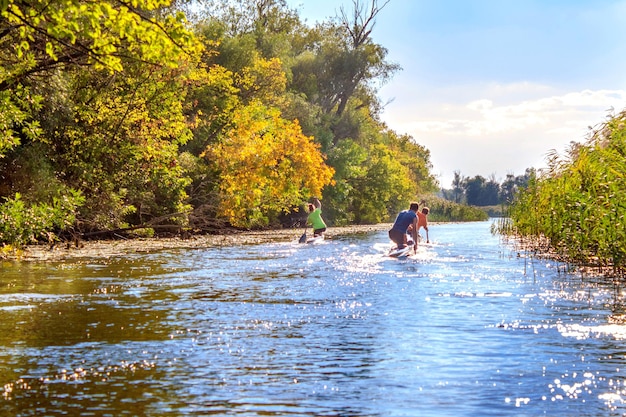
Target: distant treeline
<point>576,209</point>
<point>194,116</point>
<point>443,210</point>
<point>479,191</point>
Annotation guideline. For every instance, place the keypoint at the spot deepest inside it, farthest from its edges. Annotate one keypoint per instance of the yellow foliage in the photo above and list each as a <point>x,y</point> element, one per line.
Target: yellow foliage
<point>267,165</point>
<point>265,81</point>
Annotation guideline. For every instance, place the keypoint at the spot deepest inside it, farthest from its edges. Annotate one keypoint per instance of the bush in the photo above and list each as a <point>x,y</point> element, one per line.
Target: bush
<point>442,210</point>
<point>22,223</point>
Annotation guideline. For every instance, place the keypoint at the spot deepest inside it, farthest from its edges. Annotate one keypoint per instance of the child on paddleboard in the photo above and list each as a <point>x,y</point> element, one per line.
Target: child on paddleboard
<point>422,221</point>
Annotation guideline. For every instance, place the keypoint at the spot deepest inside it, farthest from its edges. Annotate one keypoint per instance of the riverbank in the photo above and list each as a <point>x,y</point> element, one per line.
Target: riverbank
<point>111,248</point>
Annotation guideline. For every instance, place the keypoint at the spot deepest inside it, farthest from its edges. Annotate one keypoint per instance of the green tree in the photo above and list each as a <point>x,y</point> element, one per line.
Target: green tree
<point>491,192</point>
<point>80,88</point>
<point>457,187</point>
<point>508,189</point>
<point>120,145</point>
<point>348,159</point>
<point>474,190</point>
<point>340,63</point>
<point>385,187</point>
<point>40,37</point>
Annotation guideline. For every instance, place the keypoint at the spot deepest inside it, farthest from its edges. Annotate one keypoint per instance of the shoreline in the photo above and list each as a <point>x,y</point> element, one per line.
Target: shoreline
<point>102,249</point>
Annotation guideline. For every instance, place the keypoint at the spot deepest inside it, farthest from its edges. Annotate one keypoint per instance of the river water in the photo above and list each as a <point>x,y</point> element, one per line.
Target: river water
<point>463,328</point>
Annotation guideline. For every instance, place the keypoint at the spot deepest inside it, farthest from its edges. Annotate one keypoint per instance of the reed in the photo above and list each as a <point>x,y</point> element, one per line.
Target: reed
<point>575,209</point>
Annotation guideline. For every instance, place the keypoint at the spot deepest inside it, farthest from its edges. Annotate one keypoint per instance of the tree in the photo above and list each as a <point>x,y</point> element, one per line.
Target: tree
<point>348,159</point>
<point>60,33</point>
<point>45,36</point>
<point>342,62</point>
<point>413,156</point>
<point>266,166</point>
<point>117,141</point>
<point>457,187</point>
<point>474,190</point>
<point>384,188</point>
<point>91,109</point>
<point>362,60</point>
<point>508,189</point>
<point>491,192</point>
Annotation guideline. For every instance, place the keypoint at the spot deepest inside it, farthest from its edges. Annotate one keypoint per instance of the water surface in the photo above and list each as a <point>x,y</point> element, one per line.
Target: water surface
<point>463,328</point>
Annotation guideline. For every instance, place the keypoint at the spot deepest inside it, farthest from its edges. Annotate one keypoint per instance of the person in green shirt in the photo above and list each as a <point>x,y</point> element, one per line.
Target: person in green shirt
<point>315,218</point>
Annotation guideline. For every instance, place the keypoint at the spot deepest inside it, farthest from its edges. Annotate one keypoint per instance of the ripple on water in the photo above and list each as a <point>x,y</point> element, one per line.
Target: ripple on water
<point>337,328</point>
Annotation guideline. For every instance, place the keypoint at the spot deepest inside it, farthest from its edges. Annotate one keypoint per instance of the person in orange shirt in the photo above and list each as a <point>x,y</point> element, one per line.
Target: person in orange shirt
<point>422,221</point>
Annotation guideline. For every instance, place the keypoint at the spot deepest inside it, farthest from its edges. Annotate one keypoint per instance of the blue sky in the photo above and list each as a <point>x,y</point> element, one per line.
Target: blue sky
<point>491,87</point>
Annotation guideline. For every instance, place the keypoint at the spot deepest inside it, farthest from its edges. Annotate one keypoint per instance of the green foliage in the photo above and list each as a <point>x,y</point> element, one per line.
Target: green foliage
<point>579,205</point>
<point>343,63</point>
<point>384,188</point>
<point>39,37</point>
<point>98,33</point>
<point>239,118</point>
<point>348,158</point>
<point>22,223</point>
<point>416,158</point>
<point>16,117</point>
<point>29,172</point>
<point>482,192</point>
<point>212,101</point>
<point>118,143</point>
<point>443,210</point>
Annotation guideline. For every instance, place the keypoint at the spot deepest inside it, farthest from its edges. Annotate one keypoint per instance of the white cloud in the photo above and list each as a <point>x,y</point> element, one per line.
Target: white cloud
<point>483,117</point>
<point>495,134</point>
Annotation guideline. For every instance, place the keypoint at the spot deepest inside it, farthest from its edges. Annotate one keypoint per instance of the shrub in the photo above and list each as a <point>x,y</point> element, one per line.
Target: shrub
<point>23,223</point>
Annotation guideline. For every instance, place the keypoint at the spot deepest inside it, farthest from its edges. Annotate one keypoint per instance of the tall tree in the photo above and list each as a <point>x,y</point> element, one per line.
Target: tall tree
<point>363,60</point>
<point>457,187</point>
<point>508,188</point>
<point>474,190</point>
<point>343,61</point>
<point>491,192</point>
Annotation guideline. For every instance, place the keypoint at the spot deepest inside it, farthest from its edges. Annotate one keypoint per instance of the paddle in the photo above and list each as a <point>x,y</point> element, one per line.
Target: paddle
<point>303,237</point>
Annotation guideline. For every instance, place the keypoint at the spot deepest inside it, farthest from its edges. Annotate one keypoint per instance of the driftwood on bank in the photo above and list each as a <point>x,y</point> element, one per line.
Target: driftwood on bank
<point>104,249</point>
<point>163,226</point>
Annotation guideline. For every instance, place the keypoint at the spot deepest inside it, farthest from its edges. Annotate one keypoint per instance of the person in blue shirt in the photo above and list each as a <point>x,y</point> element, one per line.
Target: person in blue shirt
<point>405,219</point>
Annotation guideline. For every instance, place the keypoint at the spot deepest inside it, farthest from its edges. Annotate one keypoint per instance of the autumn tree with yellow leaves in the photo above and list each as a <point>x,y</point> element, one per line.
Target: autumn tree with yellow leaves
<point>266,166</point>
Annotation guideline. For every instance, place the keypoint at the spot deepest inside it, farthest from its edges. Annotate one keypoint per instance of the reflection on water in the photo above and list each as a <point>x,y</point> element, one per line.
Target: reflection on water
<point>464,327</point>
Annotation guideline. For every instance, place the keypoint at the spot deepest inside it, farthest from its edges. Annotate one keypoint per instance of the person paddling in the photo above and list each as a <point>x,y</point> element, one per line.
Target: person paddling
<point>315,218</point>
<point>405,219</point>
<point>422,221</point>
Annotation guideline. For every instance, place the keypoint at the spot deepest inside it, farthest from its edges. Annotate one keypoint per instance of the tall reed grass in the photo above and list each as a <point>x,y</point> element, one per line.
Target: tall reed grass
<point>575,208</point>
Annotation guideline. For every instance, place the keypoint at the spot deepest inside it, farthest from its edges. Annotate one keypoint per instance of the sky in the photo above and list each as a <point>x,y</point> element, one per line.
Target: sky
<point>492,87</point>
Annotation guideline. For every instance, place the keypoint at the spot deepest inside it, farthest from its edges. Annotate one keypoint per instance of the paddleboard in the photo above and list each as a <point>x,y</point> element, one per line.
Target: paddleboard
<point>316,239</point>
<point>400,253</point>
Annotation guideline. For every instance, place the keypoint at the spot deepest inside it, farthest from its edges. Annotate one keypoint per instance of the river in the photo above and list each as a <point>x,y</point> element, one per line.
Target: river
<point>465,327</point>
